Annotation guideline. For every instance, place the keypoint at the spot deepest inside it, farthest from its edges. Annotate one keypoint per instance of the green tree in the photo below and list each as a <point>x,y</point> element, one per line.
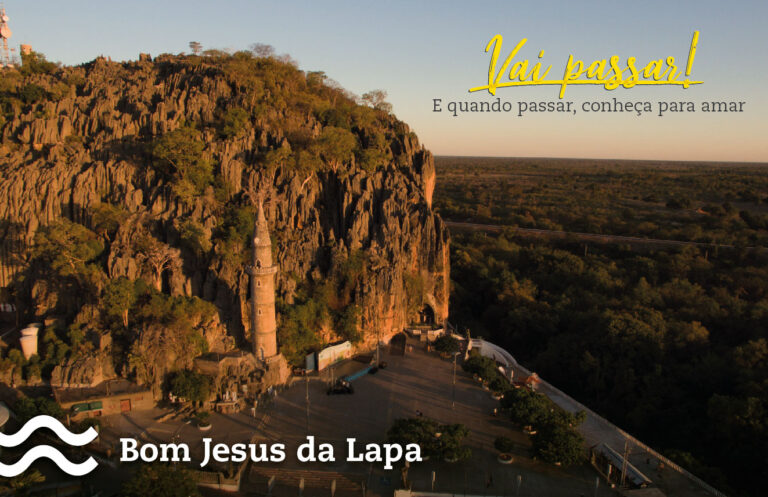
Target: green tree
<point>106,219</point>
<point>348,324</point>
<point>21,485</point>
<point>555,443</point>
<point>526,407</point>
<point>335,145</point>
<point>190,385</point>
<point>451,442</point>
<point>119,297</point>
<point>499,384</point>
<point>36,63</point>
<point>377,100</point>
<point>277,157</point>
<point>484,367</point>
<point>420,430</point>
<point>262,50</point>
<point>196,47</point>
<point>32,93</point>
<point>69,248</point>
<point>203,417</point>
<point>156,256</point>
<point>178,155</point>
<point>69,254</point>
<point>193,236</point>
<point>233,122</point>
<point>297,329</point>
<point>33,369</point>
<point>27,408</point>
<point>504,444</point>
<point>54,350</point>
<point>435,439</point>
<point>446,344</point>
<point>371,159</point>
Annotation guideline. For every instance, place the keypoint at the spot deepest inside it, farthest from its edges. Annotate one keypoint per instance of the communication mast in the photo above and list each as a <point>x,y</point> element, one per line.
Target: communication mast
<point>5,33</point>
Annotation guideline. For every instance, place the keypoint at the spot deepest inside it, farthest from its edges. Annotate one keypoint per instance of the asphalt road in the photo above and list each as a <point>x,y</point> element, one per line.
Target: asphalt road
<point>588,237</point>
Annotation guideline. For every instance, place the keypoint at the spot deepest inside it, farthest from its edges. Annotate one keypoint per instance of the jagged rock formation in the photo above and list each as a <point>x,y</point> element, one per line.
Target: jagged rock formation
<point>83,371</point>
<point>87,141</point>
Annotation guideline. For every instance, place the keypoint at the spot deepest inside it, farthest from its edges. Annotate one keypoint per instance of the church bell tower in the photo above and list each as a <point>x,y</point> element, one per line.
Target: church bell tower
<point>262,271</point>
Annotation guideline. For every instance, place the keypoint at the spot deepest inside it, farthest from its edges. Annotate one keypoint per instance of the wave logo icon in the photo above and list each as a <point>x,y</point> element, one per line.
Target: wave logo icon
<point>40,451</point>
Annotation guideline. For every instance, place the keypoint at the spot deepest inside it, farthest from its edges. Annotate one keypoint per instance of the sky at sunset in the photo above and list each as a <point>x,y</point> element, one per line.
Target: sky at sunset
<point>418,51</point>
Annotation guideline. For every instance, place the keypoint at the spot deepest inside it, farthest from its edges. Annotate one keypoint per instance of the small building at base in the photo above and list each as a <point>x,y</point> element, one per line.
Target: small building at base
<point>318,361</point>
<point>108,397</point>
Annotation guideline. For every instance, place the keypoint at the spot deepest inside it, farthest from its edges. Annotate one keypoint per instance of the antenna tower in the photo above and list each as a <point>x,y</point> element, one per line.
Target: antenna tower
<point>5,33</point>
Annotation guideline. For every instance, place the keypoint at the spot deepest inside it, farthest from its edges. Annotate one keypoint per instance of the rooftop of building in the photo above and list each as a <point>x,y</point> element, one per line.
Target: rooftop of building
<point>107,388</point>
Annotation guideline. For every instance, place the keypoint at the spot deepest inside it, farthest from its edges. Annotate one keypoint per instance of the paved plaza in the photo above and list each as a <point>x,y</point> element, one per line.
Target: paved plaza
<point>415,382</point>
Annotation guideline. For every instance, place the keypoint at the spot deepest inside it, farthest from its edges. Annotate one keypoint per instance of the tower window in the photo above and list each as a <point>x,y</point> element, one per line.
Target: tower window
<point>258,264</point>
<point>258,312</point>
<point>258,282</point>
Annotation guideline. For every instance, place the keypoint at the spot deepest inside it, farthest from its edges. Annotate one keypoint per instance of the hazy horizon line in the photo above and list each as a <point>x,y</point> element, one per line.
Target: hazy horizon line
<point>671,161</point>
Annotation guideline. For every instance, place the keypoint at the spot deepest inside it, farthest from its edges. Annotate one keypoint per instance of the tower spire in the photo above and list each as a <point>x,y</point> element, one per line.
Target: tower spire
<point>261,228</point>
<point>262,271</point>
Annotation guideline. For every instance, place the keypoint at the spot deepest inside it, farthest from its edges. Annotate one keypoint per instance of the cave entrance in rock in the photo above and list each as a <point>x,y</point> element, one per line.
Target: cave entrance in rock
<point>165,282</point>
<point>397,344</point>
<point>426,316</point>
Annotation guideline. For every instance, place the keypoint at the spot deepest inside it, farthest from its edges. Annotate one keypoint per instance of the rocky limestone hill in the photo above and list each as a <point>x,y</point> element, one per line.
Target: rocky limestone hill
<point>159,164</point>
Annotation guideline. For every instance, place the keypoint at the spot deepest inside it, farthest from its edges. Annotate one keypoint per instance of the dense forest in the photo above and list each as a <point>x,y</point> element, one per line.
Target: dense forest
<point>670,344</point>
<point>707,203</point>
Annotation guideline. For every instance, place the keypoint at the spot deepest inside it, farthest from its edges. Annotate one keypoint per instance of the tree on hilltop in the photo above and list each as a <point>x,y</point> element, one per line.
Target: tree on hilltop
<point>262,50</point>
<point>377,100</point>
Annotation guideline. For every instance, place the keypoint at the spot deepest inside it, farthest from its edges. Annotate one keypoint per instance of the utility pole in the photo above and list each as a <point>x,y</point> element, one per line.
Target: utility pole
<point>270,485</point>
<point>307,398</point>
<point>453,394</point>
<point>376,322</point>
<point>624,462</point>
<point>16,307</point>
<point>597,484</point>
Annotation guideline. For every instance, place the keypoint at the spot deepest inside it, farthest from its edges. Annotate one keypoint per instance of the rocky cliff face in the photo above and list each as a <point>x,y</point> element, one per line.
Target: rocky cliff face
<point>85,138</point>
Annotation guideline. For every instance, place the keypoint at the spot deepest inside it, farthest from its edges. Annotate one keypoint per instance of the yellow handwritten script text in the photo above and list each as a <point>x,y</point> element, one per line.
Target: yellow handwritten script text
<point>605,72</point>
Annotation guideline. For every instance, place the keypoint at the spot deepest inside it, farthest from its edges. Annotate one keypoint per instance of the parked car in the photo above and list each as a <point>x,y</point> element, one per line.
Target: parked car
<point>341,387</point>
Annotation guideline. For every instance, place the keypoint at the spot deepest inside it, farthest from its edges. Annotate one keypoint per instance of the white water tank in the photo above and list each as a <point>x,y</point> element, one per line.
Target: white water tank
<point>29,339</point>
